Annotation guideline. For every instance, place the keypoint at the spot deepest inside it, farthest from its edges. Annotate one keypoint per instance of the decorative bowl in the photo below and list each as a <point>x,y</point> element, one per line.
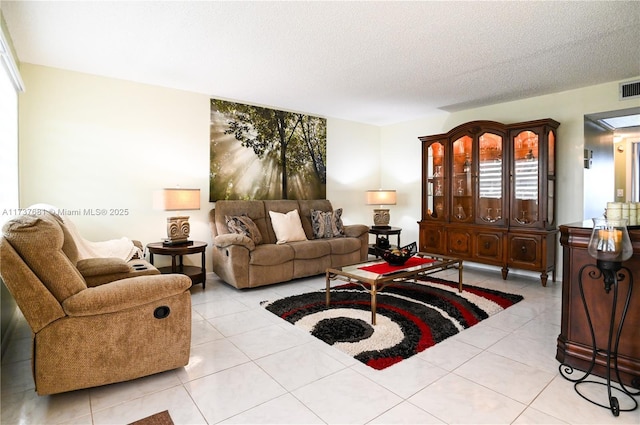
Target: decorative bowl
<point>398,256</point>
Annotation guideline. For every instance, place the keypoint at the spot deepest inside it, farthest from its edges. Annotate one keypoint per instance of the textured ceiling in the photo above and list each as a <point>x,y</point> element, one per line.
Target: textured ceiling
<point>371,62</point>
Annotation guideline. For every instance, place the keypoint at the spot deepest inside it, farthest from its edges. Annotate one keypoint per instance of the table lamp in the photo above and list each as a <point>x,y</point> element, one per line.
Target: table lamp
<point>381,215</point>
<point>178,227</point>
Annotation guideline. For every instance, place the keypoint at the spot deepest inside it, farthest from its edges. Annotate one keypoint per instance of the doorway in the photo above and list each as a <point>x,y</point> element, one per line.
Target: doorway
<point>611,159</point>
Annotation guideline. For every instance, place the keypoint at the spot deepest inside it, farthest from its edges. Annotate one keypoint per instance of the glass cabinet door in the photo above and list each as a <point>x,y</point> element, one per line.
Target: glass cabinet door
<point>524,209</point>
<point>436,189</point>
<point>551,178</point>
<point>461,186</point>
<point>490,179</point>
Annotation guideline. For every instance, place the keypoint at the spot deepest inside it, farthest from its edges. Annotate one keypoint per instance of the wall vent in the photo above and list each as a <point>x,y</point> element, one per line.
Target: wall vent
<point>629,89</point>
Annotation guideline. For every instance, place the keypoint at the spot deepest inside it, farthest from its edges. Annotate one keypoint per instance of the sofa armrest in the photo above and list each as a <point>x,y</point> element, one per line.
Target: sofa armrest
<point>355,230</point>
<point>125,294</point>
<point>226,240</point>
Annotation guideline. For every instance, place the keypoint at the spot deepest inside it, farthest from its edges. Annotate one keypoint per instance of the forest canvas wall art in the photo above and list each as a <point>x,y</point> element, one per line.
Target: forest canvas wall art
<point>262,153</point>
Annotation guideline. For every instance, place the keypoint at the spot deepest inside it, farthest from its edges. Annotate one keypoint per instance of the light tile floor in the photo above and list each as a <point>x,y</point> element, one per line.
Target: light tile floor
<point>249,367</point>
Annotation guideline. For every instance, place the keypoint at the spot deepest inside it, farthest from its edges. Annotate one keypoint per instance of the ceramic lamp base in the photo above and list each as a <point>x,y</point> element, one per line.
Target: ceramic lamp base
<point>381,218</point>
<point>178,230</point>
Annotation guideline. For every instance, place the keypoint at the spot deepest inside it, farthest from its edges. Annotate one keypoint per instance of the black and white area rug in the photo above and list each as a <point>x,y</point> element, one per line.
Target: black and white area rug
<point>411,316</point>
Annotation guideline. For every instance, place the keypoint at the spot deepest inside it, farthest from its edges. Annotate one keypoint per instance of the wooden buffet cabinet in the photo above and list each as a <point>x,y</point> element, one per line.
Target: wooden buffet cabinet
<point>574,346</point>
<point>488,195</point>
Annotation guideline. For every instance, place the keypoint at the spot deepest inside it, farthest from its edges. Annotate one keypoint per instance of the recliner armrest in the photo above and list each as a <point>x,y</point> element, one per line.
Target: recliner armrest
<point>228,239</point>
<point>98,271</point>
<point>125,294</point>
<point>101,266</point>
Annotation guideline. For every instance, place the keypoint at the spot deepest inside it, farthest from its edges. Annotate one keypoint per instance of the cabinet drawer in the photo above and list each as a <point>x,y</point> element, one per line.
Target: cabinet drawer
<point>525,250</point>
<point>432,239</point>
<point>459,242</point>
<point>489,246</point>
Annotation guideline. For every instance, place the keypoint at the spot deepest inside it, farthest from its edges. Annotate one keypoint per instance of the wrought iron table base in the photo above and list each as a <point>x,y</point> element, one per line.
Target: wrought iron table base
<point>610,272</point>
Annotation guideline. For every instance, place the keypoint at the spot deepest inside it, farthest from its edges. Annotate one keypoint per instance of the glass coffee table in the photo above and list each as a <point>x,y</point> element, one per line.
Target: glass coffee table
<point>374,276</point>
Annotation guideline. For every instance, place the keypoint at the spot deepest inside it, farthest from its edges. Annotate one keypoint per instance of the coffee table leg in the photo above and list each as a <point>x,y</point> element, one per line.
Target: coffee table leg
<point>460,276</point>
<point>373,303</point>
<point>328,292</point>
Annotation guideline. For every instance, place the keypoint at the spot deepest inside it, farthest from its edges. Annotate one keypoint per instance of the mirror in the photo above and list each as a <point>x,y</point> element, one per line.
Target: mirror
<point>611,159</point>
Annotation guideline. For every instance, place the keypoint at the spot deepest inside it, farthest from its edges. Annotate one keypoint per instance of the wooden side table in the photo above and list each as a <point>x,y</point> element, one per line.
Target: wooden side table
<point>197,274</point>
<point>383,232</point>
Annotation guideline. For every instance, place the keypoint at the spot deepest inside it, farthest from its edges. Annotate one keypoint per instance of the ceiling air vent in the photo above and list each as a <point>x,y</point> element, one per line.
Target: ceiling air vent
<point>629,89</point>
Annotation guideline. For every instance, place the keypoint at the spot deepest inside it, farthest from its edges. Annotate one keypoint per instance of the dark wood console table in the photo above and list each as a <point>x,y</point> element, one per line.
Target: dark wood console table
<point>574,342</point>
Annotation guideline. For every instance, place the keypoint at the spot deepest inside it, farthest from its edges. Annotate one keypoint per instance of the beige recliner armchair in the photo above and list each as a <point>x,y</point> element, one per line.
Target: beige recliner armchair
<point>129,322</point>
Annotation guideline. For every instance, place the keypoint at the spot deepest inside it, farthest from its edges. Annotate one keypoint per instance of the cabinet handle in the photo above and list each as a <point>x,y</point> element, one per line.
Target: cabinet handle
<point>487,245</point>
<point>523,248</point>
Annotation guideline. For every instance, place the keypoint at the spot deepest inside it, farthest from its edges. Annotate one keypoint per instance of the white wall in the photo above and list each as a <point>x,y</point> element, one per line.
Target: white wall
<point>88,142</point>
<point>353,167</point>
<point>9,194</point>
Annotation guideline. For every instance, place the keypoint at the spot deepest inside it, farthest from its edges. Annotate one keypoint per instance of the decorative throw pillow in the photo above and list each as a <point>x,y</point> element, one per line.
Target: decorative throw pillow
<point>243,225</point>
<point>287,227</point>
<point>327,224</point>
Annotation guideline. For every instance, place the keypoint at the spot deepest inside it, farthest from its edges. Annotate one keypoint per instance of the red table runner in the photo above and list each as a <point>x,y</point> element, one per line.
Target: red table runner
<point>385,268</point>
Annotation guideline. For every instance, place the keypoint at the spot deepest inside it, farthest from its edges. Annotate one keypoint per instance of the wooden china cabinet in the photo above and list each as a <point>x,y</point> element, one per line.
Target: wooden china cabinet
<point>488,195</point>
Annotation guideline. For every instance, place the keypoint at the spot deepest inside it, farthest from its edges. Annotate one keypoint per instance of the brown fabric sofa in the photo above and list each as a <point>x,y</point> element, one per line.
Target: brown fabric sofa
<point>239,261</point>
<point>129,322</point>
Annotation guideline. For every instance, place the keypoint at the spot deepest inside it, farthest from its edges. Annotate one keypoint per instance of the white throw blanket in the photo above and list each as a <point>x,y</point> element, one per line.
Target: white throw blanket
<point>119,248</point>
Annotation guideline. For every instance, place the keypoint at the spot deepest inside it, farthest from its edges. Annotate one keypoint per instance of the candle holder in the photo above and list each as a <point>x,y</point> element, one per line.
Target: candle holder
<point>610,245</point>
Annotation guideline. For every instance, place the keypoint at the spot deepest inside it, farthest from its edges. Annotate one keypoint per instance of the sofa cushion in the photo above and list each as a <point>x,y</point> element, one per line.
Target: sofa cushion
<point>243,225</point>
<point>327,224</point>
<point>308,250</point>
<point>271,254</point>
<point>69,246</point>
<point>341,246</point>
<point>287,227</point>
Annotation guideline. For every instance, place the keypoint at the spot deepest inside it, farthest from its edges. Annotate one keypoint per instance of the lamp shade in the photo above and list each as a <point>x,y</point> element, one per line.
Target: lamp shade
<point>381,197</point>
<point>180,199</point>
